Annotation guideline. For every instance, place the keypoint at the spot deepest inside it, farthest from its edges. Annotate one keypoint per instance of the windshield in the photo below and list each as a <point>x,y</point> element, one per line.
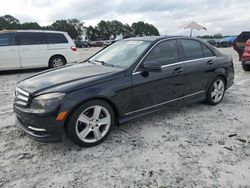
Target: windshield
<point>122,53</point>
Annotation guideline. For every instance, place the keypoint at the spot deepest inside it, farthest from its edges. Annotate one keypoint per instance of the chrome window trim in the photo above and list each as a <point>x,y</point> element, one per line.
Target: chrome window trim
<point>138,72</point>
<point>166,102</point>
<point>181,62</point>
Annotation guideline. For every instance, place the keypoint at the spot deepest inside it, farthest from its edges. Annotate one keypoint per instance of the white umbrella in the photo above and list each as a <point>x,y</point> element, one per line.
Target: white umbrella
<point>193,25</point>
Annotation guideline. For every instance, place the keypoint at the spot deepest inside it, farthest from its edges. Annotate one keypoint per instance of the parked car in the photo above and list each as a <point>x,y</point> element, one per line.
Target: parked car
<point>245,58</point>
<point>225,42</point>
<point>24,49</point>
<point>119,37</point>
<point>213,42</point>
<point>97,44</point>
<point>129,79</point>
<point>82,44</point>
<point>239,43</point>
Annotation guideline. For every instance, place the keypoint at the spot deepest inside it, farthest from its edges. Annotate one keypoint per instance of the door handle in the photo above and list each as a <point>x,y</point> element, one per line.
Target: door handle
<point>210,62</point>
<point>178,70</point>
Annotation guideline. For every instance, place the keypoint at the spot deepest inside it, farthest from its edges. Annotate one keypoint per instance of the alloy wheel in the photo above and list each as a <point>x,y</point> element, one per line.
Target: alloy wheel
<point>217,91</point>
<point>93,124</point>
<point>58,62</point>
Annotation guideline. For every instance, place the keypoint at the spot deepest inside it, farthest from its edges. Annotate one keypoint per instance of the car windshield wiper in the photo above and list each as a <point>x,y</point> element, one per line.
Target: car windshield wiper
<point>104,63</point>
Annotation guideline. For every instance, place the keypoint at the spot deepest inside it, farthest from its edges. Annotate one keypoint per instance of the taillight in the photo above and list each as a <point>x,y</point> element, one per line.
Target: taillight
<point>73,48</point>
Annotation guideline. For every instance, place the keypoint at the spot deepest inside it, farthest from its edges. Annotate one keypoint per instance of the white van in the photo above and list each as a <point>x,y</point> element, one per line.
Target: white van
<point>24,49</point>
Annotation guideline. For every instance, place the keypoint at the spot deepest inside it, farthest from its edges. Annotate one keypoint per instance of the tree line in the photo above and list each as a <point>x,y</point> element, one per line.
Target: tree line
<point>104,30</point>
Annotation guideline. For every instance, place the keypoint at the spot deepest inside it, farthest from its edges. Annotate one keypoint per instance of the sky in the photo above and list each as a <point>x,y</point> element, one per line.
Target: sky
<point>228,17</point>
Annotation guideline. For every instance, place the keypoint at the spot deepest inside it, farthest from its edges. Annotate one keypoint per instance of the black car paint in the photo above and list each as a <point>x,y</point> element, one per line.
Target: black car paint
<point>131,92</point>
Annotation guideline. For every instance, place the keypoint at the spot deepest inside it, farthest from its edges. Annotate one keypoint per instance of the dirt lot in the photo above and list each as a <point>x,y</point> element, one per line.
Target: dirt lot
<point>184,147</point>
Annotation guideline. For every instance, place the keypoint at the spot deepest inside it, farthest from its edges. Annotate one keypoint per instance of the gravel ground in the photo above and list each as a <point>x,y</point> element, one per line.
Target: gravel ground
<point>183,147</point>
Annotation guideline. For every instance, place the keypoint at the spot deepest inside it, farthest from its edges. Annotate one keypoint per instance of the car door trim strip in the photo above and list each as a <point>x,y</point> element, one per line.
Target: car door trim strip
<point>166,102</point>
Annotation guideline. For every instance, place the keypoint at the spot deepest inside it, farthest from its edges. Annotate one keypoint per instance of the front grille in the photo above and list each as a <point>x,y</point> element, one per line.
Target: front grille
<point>21,97</point>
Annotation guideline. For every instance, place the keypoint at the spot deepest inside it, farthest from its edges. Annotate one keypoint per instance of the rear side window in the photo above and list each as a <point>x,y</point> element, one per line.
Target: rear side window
<point>8,39</point>
<point>27,38</point>
<point>165,53</point>
<point>192,49</point>
<point>207,52</point>
<point>55,38</point>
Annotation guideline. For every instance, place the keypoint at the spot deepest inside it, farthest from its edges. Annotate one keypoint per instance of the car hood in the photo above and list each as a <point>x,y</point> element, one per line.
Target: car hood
<point>68,78</point>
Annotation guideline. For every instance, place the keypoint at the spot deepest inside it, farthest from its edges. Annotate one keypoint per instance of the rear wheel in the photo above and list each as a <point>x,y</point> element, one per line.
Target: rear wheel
<point>246,67</point>
<point>216,91</point>
<point>57,61</point>
<point>91,123</point>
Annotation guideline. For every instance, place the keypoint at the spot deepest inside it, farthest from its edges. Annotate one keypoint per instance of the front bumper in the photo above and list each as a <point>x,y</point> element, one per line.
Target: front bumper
<point>43,128</point>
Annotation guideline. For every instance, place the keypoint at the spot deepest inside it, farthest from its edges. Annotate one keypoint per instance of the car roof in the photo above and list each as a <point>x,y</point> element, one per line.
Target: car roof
<point>41,31</point>
<point>158,38</point>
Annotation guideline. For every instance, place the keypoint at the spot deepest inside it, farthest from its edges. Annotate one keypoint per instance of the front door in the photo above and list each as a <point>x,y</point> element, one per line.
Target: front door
<point>9,55</point>
<point>155,89</point>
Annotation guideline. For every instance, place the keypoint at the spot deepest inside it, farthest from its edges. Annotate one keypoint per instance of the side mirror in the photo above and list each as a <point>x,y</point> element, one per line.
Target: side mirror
<point>152,66</point>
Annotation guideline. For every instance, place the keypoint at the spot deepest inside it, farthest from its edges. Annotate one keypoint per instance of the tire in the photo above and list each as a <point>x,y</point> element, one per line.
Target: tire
<point>216,91</point>
<point>246,67</point>
<point>86,128</point>
<point>56,62</point>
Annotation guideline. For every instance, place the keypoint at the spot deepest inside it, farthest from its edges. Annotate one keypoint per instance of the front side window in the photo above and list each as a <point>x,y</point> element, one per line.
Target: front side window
<point>123,53</point>
<point>164,53</point>
<point>27,38</point>
<point>7,39</point>
<point>192,49</point>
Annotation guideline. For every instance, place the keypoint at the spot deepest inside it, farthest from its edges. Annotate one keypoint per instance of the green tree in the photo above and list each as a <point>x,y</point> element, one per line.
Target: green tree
<point>144,29</point>
<point>92,33</point>
<point>218,36</point>
<point>105,29</point>
<point>9,22</point>
<point>11,19</point>
<point>72,26</point>
<point>30,25</point>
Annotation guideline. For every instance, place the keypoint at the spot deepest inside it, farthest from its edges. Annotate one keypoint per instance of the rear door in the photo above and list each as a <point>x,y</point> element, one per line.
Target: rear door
<point>57,43</point>
<point>200,61</point>
<point>33,51</point>
<point>155,89</point>
<point>9,55</point>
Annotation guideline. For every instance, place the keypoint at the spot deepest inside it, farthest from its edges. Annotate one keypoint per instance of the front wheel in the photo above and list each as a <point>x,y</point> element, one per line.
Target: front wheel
<point>91,123</point>
<point>216,91</point>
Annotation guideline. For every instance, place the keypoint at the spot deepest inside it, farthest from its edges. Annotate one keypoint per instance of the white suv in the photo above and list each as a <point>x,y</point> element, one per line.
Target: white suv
<point>23,49</point>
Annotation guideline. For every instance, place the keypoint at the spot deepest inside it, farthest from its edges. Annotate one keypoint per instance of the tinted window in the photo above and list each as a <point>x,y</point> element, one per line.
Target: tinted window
<point>192,49</point>
<point>7,39</point>
<point>207,52</point>
<point>164,53</point>
<point>55,38</point>
<point>30,38</point>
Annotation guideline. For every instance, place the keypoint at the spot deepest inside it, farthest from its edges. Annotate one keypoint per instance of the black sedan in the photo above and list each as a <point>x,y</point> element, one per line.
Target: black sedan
<point>129,79</point>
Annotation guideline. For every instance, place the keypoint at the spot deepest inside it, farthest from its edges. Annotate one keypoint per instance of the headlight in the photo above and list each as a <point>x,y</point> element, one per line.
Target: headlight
<point>46,103</point>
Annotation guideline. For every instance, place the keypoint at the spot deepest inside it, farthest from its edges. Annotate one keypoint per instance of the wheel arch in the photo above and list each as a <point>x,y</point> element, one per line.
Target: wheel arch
<point>219,73</point>
<point>112,104</point>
